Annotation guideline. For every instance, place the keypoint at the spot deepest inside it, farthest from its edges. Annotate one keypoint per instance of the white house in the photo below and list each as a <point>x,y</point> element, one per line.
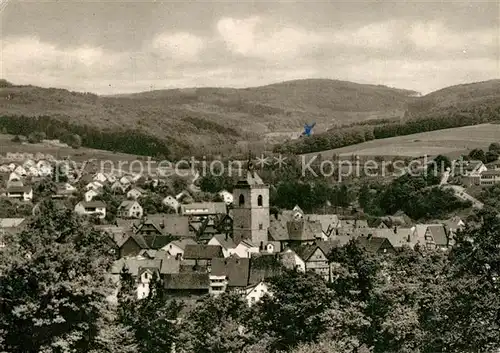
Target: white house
<point>20,171</point>
<point>244,249</point>
<point>118,187</point>
<point>100,177</point>
<point>12,167</point>
<point>226,196</point>
<point>144,278</point>
<point>90,194</point>
<point>14,176</point>
<point>32,171</point>
<point>135,193</point>
<point>176,248</point>
<point>95,185</point>
<point>291,260</point>
<point>24,193</point>
<point>97,208</point>
<point>171,202</point>
<point>225,242</point>
<point>130,209</point>
<point>4,168</point>
<point>125,180</point>
<point>110,178</point>
<point>255,293</point>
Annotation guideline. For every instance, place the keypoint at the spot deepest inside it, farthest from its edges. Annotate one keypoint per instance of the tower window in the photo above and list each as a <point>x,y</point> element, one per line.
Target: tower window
<point>259,200</point>
<point>260,226</point>
<point>242,200</point>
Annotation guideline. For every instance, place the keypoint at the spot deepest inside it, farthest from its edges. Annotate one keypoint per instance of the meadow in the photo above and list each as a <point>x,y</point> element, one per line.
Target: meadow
<point>450,142</point>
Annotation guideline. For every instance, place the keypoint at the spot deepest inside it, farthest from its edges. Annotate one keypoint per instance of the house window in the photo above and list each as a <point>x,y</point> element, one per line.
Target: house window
<point>260,226</point>
<point>253,299</point>
<point>241,200</point>
<point>259,200</point>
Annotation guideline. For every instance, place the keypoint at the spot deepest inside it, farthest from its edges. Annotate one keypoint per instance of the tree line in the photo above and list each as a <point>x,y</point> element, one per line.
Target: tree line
<point>343,137</point>
<point>125,141</point>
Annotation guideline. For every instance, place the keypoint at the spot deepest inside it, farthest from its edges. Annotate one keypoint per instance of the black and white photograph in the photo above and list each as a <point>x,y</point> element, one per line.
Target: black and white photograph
<point>226,176</point>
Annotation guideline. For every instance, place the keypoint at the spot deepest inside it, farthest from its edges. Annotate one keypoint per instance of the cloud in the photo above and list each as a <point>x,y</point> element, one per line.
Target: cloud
<point>257,50</point>
<point>248,37</point>
<point>179,46</point>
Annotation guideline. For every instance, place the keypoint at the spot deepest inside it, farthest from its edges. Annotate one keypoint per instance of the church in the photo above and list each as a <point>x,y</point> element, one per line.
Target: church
<point>251,209</point>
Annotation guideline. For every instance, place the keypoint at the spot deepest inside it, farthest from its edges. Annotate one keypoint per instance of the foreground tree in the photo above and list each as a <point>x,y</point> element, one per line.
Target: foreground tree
<point>54,285</point>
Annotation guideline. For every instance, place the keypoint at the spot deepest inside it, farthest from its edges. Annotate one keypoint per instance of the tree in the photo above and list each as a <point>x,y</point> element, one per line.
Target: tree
<point>297,311</point>
<point>215,325</point>
<point>54,285</point>
<point>441,163</point>
<point>75,141</point>
<point>494,147</point>
<point>478,154</point>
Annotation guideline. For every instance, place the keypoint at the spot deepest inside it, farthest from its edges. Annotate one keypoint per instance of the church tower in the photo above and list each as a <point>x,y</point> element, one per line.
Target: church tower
<point>251,209</point>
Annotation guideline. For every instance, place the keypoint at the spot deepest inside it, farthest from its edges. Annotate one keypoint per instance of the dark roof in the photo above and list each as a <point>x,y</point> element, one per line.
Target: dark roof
<point>187,280</point>
<point>438,234</point>
<point>304,230</point>
<point>236,270</point>
<point>19,189</point>
<point>93,204</point>
<point>372,244</point>
<point>127,204</point>
<point>250,178</point>
<point>202,252</point>
<point>306,251</point>
<point>204,208</point>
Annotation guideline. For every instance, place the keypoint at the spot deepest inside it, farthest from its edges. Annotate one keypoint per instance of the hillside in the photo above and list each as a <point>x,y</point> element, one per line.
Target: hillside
<point>202,118</point>
<point>208,116</point>
<point>459,96</point>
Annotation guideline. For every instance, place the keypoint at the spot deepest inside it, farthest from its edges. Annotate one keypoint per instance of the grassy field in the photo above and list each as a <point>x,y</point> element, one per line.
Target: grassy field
<point>449,142</point>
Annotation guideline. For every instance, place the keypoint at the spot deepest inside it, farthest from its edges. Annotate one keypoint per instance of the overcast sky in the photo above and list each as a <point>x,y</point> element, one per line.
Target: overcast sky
<point>126,46</point>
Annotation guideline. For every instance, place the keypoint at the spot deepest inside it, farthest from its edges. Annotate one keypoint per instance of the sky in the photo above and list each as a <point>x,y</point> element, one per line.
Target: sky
<point>115,46</point>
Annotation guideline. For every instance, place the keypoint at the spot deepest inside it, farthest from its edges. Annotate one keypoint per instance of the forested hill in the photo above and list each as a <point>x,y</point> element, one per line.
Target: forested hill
<point>205,119</point>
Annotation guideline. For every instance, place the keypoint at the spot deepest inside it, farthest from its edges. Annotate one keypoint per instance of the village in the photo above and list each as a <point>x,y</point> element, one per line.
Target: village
<point>234,244</point>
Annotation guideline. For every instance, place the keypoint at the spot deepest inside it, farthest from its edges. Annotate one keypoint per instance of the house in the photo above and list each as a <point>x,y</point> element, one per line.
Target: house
<point>315,258</point>
<point>225,242</point>
<point>329,222</point>
<point>436,237</point>
<point>20,171</point>
<point>493,165</point>
<point>397,236</point>
<point>135,193</point>
<point>92,208</point>
<point>166,224</point>
<point>467,168</point>
<point>201,255</point>
<point>110,178</point>
<point>255,292</point>
<point>23,193</point>
<point>375,244</point>
<point>490,177</point>
<point>176,248</point>
<point>204,209</point>
<point>100,177</point>
<point>454,224</point>
<point>14,176</point>
<point>64,190</point>
<point>231,274</point>
<point>125,180</point>
<point>15,183</point>
<point>171,202</point>
<point>290,260</point>
<point>226,196</point>
<point>187,284</point>
<point>117,187</point>
<point>245,249</point>
<point>90,194</point>
<point>130,209</point>
<point>94,185</point>
<point>145,277</point>
<point>130,244</point>
<point>419,232</point>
